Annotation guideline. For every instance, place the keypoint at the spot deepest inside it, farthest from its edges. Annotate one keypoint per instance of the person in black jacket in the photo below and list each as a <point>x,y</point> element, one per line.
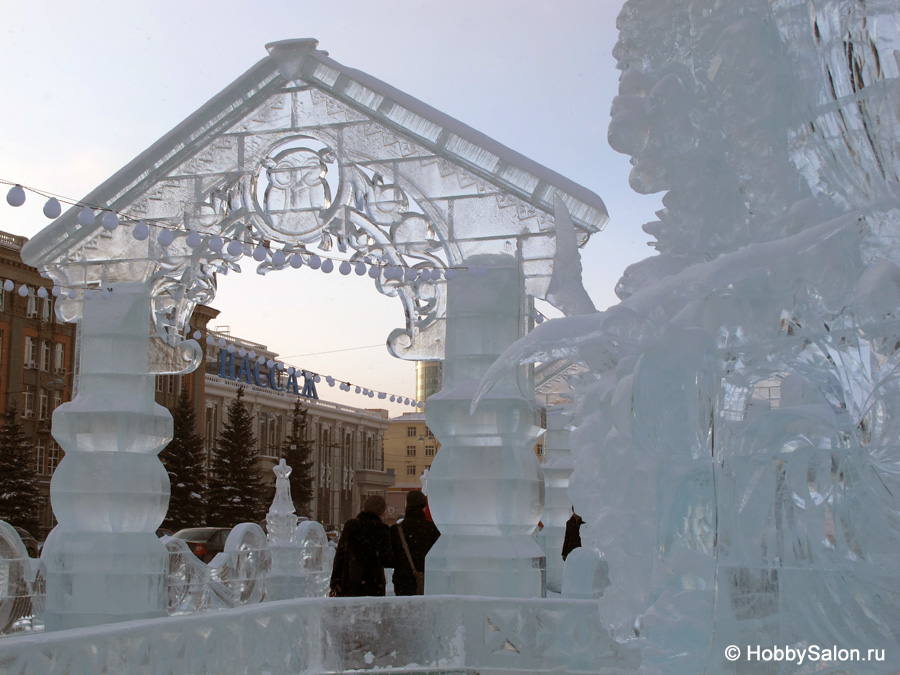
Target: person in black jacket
<point>572,537</point>
<point>420,534</point>
<point>363,551</point>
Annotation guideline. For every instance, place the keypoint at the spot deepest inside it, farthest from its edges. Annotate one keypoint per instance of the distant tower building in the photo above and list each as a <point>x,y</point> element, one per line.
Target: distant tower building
<point>428,378</point>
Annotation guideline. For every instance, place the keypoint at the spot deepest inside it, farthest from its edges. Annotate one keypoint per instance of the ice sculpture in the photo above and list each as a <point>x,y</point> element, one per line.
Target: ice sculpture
<point>739,450</point>
<point>300,159</point>
<point>485,488</point>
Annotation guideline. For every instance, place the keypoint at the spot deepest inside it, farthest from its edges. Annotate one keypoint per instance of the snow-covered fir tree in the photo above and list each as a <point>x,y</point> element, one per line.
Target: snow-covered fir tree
<point>297,451</point>
<point>184,459</point>
<point>235,491</point>
<point>20,498</point>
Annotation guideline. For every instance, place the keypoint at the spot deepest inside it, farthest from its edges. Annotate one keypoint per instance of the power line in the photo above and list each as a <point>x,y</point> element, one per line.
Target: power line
<point>333,351</point>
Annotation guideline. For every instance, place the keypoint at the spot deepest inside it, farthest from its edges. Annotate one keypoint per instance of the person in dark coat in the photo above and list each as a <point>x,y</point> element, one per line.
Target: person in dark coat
<point>572,538</point>
<point>420,535</point>
<point>363,551</point>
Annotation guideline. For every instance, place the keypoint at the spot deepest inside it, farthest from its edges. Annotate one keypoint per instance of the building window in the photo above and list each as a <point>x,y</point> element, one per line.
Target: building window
<point>30,352</point>
<point>170,384</point>
<point>428,467</point>
<point>429,451</point>
<point>40,456</point>
<point>43,404</point>
<point>410,451</point>
<point>2,300</point>
<point>212,421</point>
<point>53,457</point>
<point>47,309</point>
<point>411,432</point>
<point>45,355</point>
<point>59,363</point>
<point>159,382</point>
<point>428,433</point>
<point>31,312</point>
<point>28,401</point>
<point>57,399</point>
<point>410,469</point>
<point>1,347</point>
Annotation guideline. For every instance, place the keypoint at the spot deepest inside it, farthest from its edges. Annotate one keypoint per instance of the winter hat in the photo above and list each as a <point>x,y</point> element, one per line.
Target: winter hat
<point>415,500</point>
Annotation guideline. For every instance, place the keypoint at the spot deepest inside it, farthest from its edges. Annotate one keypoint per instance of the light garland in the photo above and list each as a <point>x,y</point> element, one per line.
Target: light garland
<point>24,290</point>
<point>165,236</point>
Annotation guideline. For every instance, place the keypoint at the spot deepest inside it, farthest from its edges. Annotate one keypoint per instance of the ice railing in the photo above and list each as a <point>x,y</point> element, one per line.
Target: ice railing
<point>242,575</point>
<point>420,634</point>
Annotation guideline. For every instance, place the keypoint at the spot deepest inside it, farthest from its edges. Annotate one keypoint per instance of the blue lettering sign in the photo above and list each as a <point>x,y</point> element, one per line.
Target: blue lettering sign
<point>252,374</point>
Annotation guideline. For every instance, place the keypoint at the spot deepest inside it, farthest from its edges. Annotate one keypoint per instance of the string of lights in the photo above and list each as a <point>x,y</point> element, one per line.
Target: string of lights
<point>166,234</point>
<point>141,230</point>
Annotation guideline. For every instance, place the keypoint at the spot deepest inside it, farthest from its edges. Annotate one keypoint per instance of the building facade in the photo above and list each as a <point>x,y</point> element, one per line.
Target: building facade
<point>409,450</point>
<point>348,460</point>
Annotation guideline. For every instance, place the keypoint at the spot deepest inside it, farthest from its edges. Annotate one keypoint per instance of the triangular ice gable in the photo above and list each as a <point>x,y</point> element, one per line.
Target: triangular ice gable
<point>304,157</point>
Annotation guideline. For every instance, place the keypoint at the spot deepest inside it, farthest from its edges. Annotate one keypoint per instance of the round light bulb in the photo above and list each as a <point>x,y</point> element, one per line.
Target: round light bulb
<point>23,290</point>
<point>86,216</point>
<point>278,259</point>
<point>234,248</point>
<point>52,209</point>
<point>215,244</point>
<point>193,239</point>
<point>344,268</point>
<point>165,238</point>
<point>110,221</point>
<point>42,292</point>
<point>259,254</point>
<point>360,269</point>
<point>296,261</point>
<point>8,285</point>
<point>141,231</point>
<point>15,196</point>
<point>315,262</point>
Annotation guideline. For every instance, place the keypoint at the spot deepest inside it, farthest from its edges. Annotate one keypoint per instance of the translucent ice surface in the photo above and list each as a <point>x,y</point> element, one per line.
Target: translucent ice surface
<point>737,452</point>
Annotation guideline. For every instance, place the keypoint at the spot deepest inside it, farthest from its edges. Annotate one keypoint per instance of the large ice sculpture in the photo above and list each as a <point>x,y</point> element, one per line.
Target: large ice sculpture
<point>300,158</point>
<point>738,452</point>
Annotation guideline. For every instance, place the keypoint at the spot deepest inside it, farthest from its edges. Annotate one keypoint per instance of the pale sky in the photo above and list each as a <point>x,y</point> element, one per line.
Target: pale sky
<point>89,85</point>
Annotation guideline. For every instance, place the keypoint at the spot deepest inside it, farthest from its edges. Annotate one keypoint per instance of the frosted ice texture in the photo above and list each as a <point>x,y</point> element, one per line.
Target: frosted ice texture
<point>485,487</point>
<point>737,451</point>
<point>110,492</point>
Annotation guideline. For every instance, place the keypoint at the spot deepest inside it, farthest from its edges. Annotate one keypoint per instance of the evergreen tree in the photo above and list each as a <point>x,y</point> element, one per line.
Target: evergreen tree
<point>20,498</point>
<point>183,458</point>
<point>297,452</point>
<point>235,492</point>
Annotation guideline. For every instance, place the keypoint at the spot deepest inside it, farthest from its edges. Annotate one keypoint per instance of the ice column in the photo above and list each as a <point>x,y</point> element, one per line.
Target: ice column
<point>110,492</point>
<point>557,504</point>
<point>485,488</point>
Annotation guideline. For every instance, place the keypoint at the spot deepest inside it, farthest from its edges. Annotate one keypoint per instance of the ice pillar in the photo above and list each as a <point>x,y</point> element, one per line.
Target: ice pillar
<point>557,504</point>
<point>485,488</point>
<point>110,492</point>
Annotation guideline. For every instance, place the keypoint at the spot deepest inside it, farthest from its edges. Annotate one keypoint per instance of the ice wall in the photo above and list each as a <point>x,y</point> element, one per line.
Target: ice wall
<point>737,453</point>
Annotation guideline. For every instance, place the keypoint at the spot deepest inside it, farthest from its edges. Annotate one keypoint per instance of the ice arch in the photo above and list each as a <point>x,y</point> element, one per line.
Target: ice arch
<point>297,157</point>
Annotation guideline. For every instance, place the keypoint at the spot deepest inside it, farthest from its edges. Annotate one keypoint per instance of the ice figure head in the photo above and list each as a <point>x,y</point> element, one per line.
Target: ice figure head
<point>736,452</point>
